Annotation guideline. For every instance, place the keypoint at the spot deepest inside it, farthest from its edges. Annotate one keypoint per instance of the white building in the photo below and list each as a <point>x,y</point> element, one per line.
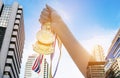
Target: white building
<point>46,69</point>
<point>29,73</point>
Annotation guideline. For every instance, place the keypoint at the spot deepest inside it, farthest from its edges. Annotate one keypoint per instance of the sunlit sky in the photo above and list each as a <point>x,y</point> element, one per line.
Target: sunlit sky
<point>90,21</point>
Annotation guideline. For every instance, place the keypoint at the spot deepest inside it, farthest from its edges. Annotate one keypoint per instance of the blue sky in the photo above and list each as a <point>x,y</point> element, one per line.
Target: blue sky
<point>90,21</point>
<point>81,15</point>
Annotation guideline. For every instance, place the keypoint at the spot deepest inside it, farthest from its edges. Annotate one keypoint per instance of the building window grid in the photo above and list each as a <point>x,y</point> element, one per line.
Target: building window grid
<point>14,69</point>
<point>117,53</point>
<point>15,50</point>
<point>15,34</point>
<point>13,58</point>
<point>115,64</point>
<point>96,71</point>
<point>5,16</point>
<point>116,69</point>
<point>10,65</point>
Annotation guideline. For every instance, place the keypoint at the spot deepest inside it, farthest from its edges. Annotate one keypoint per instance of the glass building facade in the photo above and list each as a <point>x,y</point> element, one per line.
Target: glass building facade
<point>112,66</point>
<point>4,18</point>
<point>11,39</point>
<point>2,32</point>
<point>114,70</point>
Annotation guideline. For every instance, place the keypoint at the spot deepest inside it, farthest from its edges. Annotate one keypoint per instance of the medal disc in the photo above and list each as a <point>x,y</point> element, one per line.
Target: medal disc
<point>43,49</point>
<point>45,37</point>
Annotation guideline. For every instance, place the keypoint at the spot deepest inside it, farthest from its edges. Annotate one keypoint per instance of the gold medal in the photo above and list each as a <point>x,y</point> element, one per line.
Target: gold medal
<point>45,36</point>
<point>45,40</point>
<point>42,48</point>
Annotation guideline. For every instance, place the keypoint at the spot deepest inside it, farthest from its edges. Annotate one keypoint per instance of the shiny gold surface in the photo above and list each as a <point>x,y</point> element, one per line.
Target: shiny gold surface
<point>43,49</point>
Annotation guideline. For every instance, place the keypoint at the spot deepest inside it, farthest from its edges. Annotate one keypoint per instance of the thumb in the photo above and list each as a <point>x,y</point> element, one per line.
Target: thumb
<point>49,8</point>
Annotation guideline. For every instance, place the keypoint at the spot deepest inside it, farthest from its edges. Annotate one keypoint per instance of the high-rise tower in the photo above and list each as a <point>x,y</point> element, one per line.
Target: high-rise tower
<point>95,67</point>
<point>11,39</point>
<point>98,53</point>
<point>112,66</point>
<point>29,73</point>
<point>46,69</point>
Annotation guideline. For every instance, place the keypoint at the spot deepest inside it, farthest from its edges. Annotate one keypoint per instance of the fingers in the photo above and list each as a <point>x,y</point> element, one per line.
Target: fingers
<point>49,8</point>
<point>48,14</point>
<point>45,11</point>
<point>45,16</point>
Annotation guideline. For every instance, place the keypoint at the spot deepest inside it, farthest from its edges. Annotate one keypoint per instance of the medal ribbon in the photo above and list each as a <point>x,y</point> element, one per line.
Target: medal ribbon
<point>59,45</point>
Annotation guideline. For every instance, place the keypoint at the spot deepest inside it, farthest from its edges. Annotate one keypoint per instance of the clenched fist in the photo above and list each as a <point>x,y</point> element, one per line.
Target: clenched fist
<point>48,14</point>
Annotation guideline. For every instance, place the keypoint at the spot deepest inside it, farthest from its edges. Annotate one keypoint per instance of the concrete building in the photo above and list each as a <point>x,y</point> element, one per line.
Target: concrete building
<point>112,67</point>
<point>11,39</point>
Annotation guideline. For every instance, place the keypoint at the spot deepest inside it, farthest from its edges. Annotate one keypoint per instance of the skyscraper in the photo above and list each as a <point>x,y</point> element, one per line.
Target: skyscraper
<point>95,68</point>
<point>112,68</point>
<point>11,39</point>
<point>114,50</point>
<point>98,53</point>
<point>46,69</point>
<point>29,73</point>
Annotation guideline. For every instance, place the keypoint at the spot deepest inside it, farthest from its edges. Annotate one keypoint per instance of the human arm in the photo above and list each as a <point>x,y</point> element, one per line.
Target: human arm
<point>79,55</point>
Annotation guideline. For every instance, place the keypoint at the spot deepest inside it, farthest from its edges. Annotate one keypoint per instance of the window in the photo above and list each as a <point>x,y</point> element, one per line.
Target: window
<point>5,16</point>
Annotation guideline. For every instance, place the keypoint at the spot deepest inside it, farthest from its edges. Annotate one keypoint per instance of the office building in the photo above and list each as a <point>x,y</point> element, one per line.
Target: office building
<point>11,39</point>
<point>95,68</point>
<point>108,64</point>
<point>114,50</point>
<point>114,70</point>
<point>98,53</point>
<point>29,73</point>
<point>112,66</point>
<point>28,67</point>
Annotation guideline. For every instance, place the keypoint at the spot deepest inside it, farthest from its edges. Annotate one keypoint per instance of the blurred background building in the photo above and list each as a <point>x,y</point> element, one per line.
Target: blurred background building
<point>44,68</point>
<point>95,68</point>
<point>98,53</point>
<point>29,73</point>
